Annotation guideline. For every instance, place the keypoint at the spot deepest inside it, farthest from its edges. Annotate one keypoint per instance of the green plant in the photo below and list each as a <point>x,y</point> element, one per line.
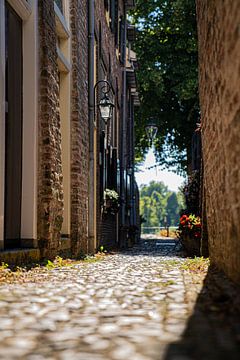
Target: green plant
<point>111,195</point>
<point>3,266</point>
<point>111,201</point>
<point>59,261</point>
<point>198,264</point>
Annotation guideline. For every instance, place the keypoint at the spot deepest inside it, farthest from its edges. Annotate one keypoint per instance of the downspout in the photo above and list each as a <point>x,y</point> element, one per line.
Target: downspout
<point>123,139</point>
<point>133,164</point>
<point>91,190</point>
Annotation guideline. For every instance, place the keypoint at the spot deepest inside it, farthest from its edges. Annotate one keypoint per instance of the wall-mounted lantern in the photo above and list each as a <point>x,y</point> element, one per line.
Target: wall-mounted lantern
<point>130,170</point>
<point>151,130</point>
<point>105,105</point>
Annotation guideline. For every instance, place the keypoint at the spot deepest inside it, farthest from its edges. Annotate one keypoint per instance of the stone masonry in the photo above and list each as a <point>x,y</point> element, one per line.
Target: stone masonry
<point>50,191</point>
<point>50,184</point>
<point>219,65</point>
<point>79,127</point>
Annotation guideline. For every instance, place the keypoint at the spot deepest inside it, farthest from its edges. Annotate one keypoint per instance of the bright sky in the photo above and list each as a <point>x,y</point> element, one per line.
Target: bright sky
<point>172,180</point>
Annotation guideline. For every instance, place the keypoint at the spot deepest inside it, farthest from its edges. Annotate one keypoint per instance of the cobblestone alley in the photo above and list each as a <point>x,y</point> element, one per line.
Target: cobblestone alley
<point>146,303</point>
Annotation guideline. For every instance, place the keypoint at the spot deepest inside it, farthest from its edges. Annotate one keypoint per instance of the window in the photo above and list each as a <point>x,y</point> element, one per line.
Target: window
<point>121,39</point>
<point>13,127</point>
<point>106,4</point>
<point>59,4</point>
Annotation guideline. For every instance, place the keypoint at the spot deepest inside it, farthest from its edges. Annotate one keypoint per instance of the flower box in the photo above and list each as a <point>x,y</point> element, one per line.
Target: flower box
<point>189,232</point>
<point>191,245</point>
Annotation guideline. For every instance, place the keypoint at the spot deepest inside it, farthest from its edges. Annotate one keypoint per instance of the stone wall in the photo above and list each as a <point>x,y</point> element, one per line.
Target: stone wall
<point>107,58</point>
<point>79,126</point>
<point>219,65</point>
<point>50,190</point>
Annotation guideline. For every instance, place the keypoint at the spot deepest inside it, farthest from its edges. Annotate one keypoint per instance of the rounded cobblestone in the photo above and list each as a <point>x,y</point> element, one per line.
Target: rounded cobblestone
<point>134,304</point>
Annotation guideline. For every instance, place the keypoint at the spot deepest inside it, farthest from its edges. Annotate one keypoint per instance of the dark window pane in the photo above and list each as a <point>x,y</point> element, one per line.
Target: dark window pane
<point>59,4</point>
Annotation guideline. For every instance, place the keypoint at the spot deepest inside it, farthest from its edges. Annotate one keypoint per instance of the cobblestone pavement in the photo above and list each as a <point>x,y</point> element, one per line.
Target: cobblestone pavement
<point>138,305</point>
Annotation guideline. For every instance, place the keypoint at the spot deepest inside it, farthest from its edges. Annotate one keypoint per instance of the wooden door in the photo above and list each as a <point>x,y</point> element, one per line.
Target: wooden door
<point>13,135</point>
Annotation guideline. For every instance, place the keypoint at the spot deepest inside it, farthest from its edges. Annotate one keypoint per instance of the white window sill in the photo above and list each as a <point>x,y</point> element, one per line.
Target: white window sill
<point>22,8</point>
<point>61,24</point>
<point>63,64</point>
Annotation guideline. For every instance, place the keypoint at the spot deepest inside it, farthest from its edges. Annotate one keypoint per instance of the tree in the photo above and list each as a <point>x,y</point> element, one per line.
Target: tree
<point>157,202</point>
<point>173,209</point>
<point>166,48</point>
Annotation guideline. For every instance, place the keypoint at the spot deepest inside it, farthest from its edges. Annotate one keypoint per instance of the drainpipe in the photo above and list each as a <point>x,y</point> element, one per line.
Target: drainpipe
<point>133,164</point>
<point>123,138</point>
<point>91,190</point>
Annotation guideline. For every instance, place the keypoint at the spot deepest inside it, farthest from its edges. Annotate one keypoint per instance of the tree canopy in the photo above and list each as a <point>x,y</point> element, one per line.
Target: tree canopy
<point>166,48</point>
<point>158,205</point>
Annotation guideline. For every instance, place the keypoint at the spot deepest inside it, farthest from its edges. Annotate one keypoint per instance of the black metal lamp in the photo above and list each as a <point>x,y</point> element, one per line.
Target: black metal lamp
<point>151,130</point>
<point>105,105</point>
<point>130,170</point>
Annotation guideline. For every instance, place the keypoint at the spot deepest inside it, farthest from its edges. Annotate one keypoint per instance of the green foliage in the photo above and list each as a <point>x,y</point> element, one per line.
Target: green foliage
<point>196,265</point>
<point>3,266</point>
<point>166,48</point>
<point>111,194</point>
<point>50,265</point>
<point>158,203</point>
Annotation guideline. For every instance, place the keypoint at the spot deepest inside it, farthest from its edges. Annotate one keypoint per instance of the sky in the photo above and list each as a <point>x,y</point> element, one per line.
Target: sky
<point>172,180</point>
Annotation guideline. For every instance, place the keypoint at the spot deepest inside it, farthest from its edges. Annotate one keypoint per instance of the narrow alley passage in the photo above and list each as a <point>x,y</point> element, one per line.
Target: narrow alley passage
<point>145,303</point>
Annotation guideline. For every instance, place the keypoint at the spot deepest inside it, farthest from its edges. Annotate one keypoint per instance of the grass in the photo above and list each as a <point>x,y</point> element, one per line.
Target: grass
<point>196,265</point>
<point>172,233</point>
<point>10,274</point>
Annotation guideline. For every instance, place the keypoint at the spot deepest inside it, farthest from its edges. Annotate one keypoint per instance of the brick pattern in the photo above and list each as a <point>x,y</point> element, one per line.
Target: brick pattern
<point>219,64</point>
<point>50,188</point>
<point>107,57</point>
<point>79,127</point>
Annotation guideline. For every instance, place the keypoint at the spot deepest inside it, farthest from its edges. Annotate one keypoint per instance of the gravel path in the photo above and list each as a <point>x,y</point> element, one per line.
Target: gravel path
<point>135,305</point>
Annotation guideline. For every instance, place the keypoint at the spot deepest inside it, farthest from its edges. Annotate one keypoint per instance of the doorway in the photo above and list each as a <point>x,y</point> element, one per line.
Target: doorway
<point>13,126</point>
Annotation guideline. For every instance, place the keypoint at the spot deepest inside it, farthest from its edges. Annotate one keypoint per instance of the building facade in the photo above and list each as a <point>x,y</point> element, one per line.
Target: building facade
<point>57,155</point>
<point>219,67</point>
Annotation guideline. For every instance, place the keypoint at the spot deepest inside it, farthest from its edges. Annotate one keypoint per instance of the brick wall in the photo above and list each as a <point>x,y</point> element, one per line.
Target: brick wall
<point>50,191</point>
<point>79,126</point>
<point>219,64</point>
<point>108,57</point>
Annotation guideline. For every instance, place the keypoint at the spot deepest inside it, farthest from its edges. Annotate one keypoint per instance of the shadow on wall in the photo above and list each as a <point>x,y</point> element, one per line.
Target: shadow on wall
<point>213,331</point>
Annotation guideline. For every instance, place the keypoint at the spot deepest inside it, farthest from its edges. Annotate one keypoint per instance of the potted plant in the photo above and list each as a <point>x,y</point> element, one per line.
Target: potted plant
<point>189,232</point>
<point>111,202</point>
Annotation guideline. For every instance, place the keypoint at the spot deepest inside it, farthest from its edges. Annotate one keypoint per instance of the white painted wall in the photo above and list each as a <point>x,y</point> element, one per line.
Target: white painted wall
<point>30,128</point>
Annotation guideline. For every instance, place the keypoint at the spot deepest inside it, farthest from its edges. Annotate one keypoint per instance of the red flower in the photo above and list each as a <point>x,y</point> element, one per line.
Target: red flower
<point>197,234</point>
<point>182,217</point>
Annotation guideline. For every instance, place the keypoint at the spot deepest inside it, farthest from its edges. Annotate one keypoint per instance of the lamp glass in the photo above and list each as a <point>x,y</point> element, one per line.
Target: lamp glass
<point>106,108</point>
<point>151,131</point>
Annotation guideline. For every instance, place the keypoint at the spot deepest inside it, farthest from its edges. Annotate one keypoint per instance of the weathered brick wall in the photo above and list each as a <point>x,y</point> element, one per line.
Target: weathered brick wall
<point>79,126</point>
<point>107,55</point>
<point>50,190</point>
<point>219,64</point>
